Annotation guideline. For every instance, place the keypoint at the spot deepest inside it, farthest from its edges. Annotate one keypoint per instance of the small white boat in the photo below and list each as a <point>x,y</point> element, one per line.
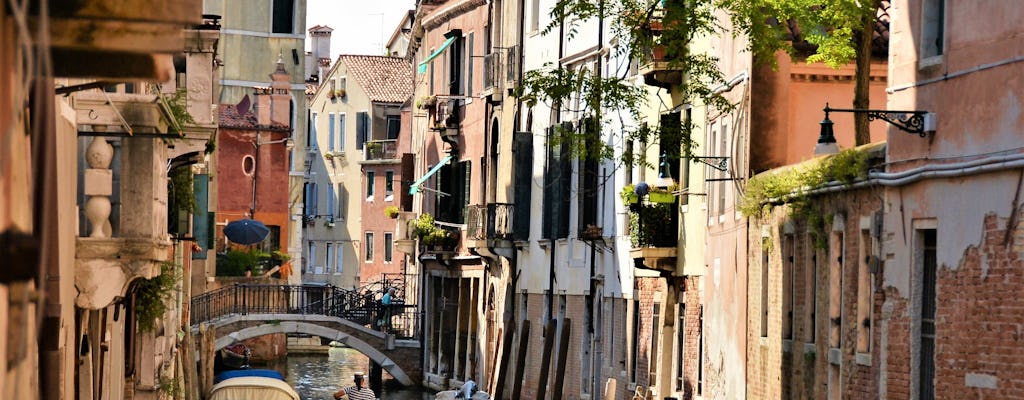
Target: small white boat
<point>253,384</point>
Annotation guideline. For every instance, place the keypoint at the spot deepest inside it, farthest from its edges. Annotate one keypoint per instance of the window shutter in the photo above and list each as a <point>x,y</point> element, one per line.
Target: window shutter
<point>469,65</point>
<point>588,179</point>
<point>362,127</point>
<point>200,220</point>
<point>550,211</point>
<point>523,180</point>
<point>466,173</point>
<point>330,132</point>
<point>564,181</point>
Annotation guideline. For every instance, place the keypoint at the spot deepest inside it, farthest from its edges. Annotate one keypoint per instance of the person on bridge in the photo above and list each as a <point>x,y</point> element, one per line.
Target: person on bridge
<point>385,320</point>
<point>357,392</point>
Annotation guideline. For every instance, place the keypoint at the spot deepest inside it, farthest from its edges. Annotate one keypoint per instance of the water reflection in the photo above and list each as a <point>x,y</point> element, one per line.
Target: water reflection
<point>317,377</point>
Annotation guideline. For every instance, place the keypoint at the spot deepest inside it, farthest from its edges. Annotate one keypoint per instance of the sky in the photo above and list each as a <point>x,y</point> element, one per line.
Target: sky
<point>360,26</point>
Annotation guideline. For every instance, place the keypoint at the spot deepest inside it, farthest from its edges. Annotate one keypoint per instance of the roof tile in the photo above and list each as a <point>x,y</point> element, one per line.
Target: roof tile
<point>385,79</point>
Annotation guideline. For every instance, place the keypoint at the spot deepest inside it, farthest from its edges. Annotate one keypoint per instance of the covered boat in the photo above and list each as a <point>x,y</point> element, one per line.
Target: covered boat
<point>252,384</point>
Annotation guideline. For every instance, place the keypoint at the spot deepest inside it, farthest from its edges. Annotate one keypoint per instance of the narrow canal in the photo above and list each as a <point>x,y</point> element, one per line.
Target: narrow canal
<point>318,376</point>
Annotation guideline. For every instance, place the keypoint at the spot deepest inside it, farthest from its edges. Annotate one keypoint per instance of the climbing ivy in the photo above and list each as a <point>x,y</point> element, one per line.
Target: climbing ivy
<point>152,295</point>
<point>791,186</point>
<point>181,190</point>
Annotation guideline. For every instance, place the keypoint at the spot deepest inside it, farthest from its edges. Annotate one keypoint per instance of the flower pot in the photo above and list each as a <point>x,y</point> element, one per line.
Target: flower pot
<point>657,197</point>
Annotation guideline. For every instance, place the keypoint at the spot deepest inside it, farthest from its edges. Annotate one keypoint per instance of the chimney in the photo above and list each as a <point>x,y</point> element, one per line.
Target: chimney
<point>320,38</point>
<point>262,109</point>
<point>280,96</point>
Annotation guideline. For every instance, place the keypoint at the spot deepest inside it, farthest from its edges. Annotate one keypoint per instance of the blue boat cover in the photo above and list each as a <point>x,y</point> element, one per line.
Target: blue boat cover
<point>265,373</point>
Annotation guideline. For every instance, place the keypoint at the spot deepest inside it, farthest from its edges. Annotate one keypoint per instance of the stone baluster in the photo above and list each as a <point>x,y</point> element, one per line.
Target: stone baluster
<point>98,186</point>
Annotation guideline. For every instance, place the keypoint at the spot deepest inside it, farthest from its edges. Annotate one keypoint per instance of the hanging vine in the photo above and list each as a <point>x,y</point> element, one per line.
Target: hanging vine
<point>152,295</point>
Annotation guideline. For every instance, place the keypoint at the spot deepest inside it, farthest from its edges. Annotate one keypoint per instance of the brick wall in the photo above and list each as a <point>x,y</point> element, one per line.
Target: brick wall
<point>798,368</point>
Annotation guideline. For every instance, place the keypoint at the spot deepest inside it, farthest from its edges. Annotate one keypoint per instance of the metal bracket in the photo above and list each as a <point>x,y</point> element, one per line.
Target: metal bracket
<point>719,163</point>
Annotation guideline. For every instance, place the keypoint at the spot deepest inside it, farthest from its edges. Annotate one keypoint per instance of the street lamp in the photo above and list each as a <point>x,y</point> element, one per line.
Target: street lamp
<point>916,122</point>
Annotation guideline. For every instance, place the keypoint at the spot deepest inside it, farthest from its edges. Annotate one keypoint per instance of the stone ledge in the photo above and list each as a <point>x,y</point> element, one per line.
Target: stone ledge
<point>656,258</point>
<point>105,267</point>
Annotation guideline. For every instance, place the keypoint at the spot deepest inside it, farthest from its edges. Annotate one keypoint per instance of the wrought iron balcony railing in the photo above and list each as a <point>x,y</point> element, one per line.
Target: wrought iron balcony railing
<point>492,221</point>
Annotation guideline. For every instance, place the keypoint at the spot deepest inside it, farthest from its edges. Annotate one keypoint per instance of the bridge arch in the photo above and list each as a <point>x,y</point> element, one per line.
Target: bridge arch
<point>322,331</point>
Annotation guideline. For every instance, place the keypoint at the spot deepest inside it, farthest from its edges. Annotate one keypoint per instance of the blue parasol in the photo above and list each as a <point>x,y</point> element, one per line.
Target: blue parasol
<point>246,231</point>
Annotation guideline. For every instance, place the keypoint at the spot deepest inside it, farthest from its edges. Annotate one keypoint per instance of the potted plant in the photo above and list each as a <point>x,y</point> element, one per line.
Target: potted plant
<point>374,149</point>
<point>392,212</point>
<point>628,195</point>
<point>339,93</point>
<point>426,102</point>
<point>662,195</point>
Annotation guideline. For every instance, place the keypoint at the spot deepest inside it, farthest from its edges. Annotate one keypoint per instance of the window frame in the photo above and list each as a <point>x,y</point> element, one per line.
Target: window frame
<point>368,247</point>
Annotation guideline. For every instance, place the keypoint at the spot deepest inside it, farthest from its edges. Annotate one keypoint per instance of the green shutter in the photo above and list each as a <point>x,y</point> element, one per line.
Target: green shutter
<point>201,217</point>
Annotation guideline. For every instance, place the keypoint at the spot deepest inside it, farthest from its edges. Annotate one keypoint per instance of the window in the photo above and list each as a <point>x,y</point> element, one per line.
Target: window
<point>369,184</point>
<point>453,179</point>
<point>341,132</point>
<point>469,65</point>
<point>558,178</point>
<point>284,18</point>
<point>362,128</point>
<point>328,258</point>
<point>788,283</point>
<point>636,340</point>
<point>311,139</point>
<point>534,15</point>
<point>389,183</point>
<point>341,259</point>
<point>810,289</point>
<point>394,125</point>
<point>369,247</point>
<point>389,240</point>
<point>680,344</point>
<point>523,178</point>
<point>700,351</point>
<point>310,200</point>
<point>587,194</point>
<point>926,239</point>
<point>655,351</point>
<point>864,293</point>
<point>330,203</point>
<point>311,257</point>
<point>933,26</point>
<point>684,179</point>
<point>670,134</point>
<point>835,288</point>
<point>330,131</point>
<point>723,151</point>
<point>456,63</point>
<point>765,242</point>
<point>342,201</point>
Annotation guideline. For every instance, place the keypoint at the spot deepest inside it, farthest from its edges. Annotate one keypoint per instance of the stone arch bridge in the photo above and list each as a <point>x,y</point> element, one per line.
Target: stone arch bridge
<point>234,313</point>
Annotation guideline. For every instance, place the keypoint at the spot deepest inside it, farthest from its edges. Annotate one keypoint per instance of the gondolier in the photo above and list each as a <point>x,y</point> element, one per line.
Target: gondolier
<point>357,392</point>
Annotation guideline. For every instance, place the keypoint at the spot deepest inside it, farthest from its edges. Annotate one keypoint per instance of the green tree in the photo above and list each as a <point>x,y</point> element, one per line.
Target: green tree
<point>839,31</point>
<point>639,25</point>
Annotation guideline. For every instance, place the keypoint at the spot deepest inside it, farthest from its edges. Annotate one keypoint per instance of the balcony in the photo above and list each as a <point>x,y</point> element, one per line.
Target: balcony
<point>660,69</point>
<point>654,233</point>
<point>379,151</point>
<point>490,228</point>
<point>492,76</point>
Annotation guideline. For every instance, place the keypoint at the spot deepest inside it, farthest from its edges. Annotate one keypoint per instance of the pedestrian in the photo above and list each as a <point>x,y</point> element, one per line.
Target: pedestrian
<point>356,392</point>
<point>385,320</point>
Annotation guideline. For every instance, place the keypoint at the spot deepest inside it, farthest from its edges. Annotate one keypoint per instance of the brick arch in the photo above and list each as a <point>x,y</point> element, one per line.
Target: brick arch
<point>352,341</point>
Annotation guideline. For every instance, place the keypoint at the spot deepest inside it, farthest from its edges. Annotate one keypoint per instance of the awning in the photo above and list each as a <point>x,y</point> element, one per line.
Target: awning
<point>423,64</point>
<point>415,188</point>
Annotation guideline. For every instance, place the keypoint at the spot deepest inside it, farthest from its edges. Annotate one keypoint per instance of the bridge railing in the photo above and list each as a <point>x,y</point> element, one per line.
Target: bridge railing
<point>360,307</point>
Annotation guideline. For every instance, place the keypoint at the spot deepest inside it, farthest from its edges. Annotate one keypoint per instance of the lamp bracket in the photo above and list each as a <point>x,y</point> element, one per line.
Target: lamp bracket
<point>907,121</point>
<point>719,163</point>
